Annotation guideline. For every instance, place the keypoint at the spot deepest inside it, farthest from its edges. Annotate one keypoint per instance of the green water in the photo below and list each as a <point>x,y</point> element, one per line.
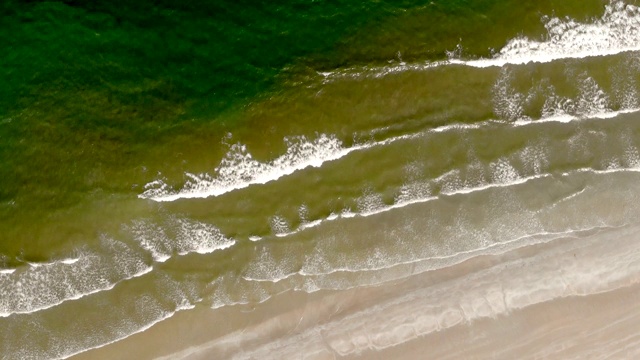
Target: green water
<point>99,99</point>
<point>93,92</point>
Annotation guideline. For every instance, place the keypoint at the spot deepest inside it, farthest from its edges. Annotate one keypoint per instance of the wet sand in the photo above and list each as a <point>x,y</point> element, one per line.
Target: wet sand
<point>573,297</point>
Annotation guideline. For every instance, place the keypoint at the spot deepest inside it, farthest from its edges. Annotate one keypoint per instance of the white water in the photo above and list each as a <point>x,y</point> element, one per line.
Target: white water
<point>188,237</point>
<point>500,173</point>
<point>173,300</point>
<point>271,272</point>
<point>239,170</point>
<point>617,31</point>
<point>244,171</point>
<point>42,286</point>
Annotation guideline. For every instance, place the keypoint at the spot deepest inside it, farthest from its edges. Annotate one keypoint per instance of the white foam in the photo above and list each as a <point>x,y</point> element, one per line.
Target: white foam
<point>437,262</point>
<point>39,305</point>
<point>566,118</point>
<point>128,314</point>
<point>147,326</point>
<point>332,216</point>
<point>152,238</point>
<point>460,126</point>
<point>591,101</point>
<point>42,286</point>
<point>239,170</point>
<point>617,31</point>
<point>444,260</point>
<point>580,267</point>
<point>553,274</point>
<point>379,72</point>
<point>70,261</point>
<point>370,202</point>
<point>503,175</point>
<point>229,291</point>
<point>310,224</point>
<point>200,238</point>
<point>403,201</point>
<point>188,237</point>
<point>508,104</point>
<point>280,226</point>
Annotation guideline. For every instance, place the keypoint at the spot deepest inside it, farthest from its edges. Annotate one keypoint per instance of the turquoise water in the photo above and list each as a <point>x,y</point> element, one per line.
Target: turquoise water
<point>156,156</point>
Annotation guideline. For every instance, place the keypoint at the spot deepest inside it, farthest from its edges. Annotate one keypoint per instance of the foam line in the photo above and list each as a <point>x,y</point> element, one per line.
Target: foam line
<point>462,191</point>
<point>141,329</point>
<point>486,293</point>
<point>404,203</point>
<point>190,237</point>
<point>63,261</point>
<point>42,286</point>
<point>239,170</point>
<point>77,296</point>
<point>617,31</point>
<point>493,249</point>
<point>567,118</point>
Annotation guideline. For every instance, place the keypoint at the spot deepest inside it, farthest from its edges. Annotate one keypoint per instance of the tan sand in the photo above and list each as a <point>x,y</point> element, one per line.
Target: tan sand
<point>572,298</point>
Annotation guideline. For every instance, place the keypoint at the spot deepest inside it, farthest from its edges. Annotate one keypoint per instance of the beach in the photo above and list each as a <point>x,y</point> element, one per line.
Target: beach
<point>572,297</point>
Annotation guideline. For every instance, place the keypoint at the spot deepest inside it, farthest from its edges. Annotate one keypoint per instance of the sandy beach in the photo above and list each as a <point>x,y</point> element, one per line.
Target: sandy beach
<point>573,297</point>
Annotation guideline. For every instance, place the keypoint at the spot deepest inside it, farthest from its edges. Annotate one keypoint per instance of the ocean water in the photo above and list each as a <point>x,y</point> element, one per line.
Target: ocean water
<point>157,156</point>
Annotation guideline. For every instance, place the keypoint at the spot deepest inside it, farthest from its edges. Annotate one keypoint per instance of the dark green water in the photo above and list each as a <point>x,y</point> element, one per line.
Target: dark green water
<point>125,129</point>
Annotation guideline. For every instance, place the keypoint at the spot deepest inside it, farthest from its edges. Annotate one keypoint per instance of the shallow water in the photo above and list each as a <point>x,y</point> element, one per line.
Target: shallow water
<point>170,166</point>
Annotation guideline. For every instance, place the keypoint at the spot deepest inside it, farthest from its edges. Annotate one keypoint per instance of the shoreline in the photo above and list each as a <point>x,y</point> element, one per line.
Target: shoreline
<point>484,294</point>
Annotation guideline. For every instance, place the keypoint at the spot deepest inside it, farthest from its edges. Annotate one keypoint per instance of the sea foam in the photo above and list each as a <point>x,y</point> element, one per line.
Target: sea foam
<point>181,237</point>
<point>617,31</point>
<point>44,285</point>
<point>239,169</point>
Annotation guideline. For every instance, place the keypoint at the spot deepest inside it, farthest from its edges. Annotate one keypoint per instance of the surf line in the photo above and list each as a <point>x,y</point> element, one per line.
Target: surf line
<point>454,259</point>
<point>615,32</point>
<point>462,191</point>
<point>8,312</point>
<point>325,149</point>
